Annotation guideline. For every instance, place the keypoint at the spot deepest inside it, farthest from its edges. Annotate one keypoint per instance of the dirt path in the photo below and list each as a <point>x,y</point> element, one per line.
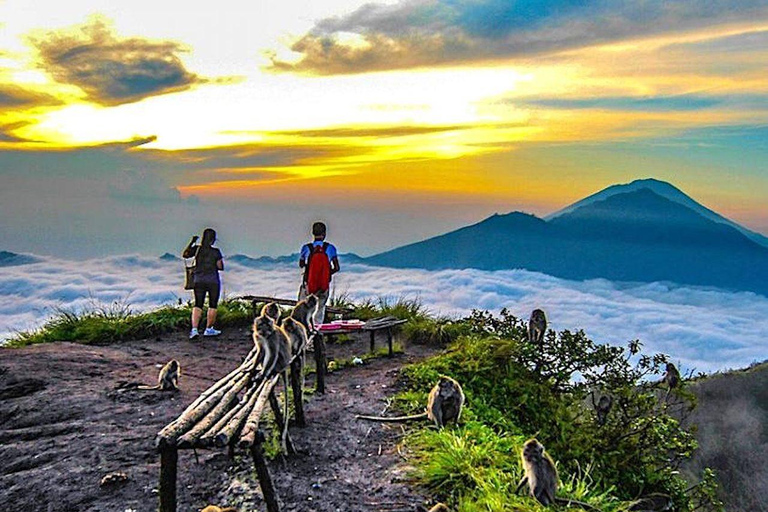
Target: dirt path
<point>63,426</point>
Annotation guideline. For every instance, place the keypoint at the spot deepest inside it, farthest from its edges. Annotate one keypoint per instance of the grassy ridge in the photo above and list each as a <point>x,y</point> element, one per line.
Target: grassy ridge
<point>516,390</point>
<point>117,322</point>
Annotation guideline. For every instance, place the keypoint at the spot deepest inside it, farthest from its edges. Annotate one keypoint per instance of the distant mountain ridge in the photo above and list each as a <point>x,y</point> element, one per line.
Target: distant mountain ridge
<point>634,234</point>
<point>668,191</point>
<point>11,259</point>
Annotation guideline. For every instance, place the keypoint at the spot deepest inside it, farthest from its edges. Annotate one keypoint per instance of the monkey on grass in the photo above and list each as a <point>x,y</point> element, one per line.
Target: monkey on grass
<point>444,405</point>
<point>541,476</point>
<point>167,380</point>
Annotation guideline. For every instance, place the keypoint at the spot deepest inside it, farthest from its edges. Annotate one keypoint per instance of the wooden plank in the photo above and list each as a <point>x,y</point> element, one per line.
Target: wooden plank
<point>169,457</point>
<point>320,363</point>
<point>373,341</point>
<point>262,471</point>
<point>389,341</point>
<point>297,385</point>
<point>280,421</point>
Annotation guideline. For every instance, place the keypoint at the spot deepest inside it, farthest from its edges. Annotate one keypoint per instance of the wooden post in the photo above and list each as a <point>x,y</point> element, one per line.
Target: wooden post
<point>297,368</point>
<point>265,480</point>
<point>280,420</point>
<point>169,457</point>
<point>373,340</point>
<point>320,363</point>
<point>389,341</point>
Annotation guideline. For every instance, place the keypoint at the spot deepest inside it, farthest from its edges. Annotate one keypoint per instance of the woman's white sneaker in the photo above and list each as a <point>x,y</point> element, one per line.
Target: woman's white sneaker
<point>193,333</point>
<point>210,331</point>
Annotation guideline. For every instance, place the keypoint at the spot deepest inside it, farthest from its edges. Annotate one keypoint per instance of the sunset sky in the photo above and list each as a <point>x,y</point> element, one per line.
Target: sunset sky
<point>127,126</point>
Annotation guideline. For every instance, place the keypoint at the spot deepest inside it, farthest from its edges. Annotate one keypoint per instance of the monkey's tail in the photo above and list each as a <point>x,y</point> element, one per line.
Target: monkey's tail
<point>397,419</point>
<point>149,388</point>
<point>568,502</point>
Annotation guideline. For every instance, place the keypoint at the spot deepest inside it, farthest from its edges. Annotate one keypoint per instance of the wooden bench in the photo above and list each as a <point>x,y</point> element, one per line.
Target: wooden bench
<point>228,415</point>
<point>384,323</point>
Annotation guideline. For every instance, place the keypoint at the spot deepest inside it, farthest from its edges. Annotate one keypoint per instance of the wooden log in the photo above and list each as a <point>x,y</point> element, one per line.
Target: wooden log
<point>320,363</point>
<point>280,421</point>
<point>297,370</point>
<point>229,432</point>
<point>389,341</point>
<point>200,406</point>
<point>262,471</point>
<point>226,403</point>
<point>169,457</point>
<point>208,439</point>
<point>248,435</point>
<point>373,340</point>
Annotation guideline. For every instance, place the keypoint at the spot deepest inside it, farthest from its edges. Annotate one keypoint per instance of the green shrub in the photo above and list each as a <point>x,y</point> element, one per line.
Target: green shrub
<point>516,389</point>
<point>117,322</point>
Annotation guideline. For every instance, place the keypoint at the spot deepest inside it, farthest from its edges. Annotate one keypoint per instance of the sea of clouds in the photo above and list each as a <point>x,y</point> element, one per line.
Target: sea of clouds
<point>703,329</point>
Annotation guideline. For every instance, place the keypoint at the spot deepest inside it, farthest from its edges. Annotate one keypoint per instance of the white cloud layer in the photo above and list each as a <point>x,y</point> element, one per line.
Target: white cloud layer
<point>704,329</point>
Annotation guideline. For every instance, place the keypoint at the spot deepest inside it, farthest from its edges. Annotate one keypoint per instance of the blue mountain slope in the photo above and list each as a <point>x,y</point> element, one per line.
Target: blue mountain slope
<point>11,259</point>
<point>666,190</point>
<point>632,236</point>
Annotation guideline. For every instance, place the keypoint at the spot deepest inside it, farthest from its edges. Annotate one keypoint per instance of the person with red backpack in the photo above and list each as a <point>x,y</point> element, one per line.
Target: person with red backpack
<point>320,261</point>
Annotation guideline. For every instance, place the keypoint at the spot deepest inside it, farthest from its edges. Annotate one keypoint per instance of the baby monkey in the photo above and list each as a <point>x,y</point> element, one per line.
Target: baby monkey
<point>444,405</point>
<point>168,379</point>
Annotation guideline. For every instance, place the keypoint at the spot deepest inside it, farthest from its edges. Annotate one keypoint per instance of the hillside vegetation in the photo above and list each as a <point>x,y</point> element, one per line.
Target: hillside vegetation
<point>515,390</point>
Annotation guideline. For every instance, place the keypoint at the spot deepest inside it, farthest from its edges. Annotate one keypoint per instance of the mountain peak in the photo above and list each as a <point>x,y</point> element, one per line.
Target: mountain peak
<point>668,191</point>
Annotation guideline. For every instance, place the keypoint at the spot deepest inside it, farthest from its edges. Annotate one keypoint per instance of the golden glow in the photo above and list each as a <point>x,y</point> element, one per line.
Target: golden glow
<point>450,118</point>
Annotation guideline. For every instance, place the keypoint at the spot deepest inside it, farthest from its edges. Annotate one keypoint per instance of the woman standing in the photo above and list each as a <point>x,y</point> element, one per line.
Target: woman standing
<point>208,263</point>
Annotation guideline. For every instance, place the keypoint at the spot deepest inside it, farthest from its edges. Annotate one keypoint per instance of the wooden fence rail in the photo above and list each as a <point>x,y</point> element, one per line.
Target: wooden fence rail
<point>228,414</point>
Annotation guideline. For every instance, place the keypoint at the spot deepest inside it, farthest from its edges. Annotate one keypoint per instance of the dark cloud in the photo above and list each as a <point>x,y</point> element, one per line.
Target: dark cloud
<point>113,70</point>
<point>13,97</point>
<point>418,33</point>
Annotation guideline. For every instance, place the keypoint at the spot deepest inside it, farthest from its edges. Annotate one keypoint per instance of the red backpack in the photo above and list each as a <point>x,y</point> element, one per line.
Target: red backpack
<point>318,272</point>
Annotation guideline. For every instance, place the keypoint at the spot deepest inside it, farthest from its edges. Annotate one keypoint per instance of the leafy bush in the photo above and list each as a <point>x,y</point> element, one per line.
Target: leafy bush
<point>516,389</point>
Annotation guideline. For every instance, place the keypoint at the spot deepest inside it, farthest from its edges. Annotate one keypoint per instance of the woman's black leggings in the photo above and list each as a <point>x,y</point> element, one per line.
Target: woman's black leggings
<point>213,290</point>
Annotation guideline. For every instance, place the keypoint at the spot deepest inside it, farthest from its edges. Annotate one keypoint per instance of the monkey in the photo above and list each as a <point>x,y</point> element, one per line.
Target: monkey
<point>541,476</point>
<point>271,310</point>
<point>537,326</point>
<point>304,312</point>
<point>671,376</point>
<point>296,333</point>
<point>439,507</point>
<point>168,379</point>
<point>275,356</point>
<point>602,408</point>
<point>445,402</point>
<point>540,472</point>
<point>214,508</point>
